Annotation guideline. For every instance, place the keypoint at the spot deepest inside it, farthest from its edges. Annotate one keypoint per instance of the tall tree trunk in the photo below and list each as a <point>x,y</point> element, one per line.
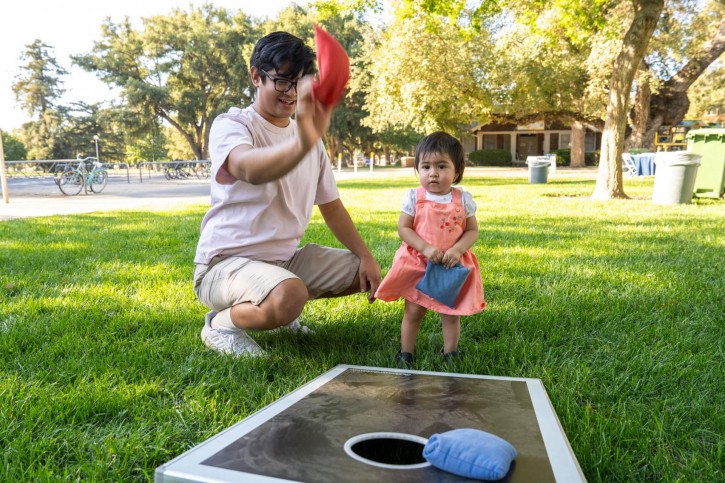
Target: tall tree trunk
<point>670,105</point>
<point>640,110</point>
<point>577,145</point>
<point>332,143</point>
<point>609,179</point>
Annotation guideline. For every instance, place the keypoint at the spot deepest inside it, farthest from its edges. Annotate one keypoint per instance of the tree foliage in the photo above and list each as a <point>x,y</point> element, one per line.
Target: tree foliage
<point>13,148</point>
<point>37,88</point>
<point>426,74</point>
<point>84,121</point>
<point>416,66</point>
<point>185,67</point>
<point>707,95</point>
<point>39,84</point>
<point>689,38</point>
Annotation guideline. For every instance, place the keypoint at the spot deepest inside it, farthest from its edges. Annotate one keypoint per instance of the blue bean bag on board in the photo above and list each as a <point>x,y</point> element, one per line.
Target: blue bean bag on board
<point>470,453</point>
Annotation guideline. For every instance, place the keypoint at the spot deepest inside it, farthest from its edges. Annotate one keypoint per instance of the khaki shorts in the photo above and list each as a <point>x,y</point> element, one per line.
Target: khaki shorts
<point>228,281</point>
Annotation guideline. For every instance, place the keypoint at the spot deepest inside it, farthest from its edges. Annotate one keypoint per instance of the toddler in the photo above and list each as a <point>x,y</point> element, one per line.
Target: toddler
<point>437,224</point>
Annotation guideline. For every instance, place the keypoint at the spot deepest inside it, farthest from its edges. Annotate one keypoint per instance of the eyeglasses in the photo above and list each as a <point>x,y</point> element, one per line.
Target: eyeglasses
<point>280,84</point>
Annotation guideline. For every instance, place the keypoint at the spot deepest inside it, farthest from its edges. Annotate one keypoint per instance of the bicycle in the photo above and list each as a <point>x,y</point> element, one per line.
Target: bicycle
<point>73,179</point>
<point>202,170</point>
<point>176,171</point>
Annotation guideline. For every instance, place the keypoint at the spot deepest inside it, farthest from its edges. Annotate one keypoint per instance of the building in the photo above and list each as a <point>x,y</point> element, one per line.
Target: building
<point>535,139</point>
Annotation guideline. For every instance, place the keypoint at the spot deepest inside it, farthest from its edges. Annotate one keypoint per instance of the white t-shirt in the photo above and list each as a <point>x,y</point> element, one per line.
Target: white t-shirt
<point>411,197</point>
<point>262,222</point>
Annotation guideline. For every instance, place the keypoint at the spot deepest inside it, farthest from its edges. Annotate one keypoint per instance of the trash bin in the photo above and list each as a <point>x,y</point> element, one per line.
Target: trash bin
<point>710,144</point>
<point>675,177</point>
<point>538,169</point>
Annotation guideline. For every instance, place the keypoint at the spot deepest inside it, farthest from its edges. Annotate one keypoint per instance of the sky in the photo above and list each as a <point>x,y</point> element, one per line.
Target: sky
<point>71,27</point>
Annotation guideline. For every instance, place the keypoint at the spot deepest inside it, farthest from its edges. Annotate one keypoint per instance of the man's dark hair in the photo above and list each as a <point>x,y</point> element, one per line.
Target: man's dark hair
<point>282,50</point>
<point>442,143</point>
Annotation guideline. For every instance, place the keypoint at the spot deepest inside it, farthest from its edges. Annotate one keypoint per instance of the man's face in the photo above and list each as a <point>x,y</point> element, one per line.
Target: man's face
<point>275,106</point>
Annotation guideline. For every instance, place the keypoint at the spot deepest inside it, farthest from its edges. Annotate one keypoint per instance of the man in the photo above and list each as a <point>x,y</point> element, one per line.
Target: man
<point>267,173</point>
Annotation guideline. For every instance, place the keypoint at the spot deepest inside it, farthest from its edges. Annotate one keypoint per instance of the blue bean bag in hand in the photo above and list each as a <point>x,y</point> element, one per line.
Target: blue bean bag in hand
<point>470,453</point>
<point>443,284</point>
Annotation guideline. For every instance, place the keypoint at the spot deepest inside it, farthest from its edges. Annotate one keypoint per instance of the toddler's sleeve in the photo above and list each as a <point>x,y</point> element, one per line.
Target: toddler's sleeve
<point>409,202</point>
<point>468,204</point>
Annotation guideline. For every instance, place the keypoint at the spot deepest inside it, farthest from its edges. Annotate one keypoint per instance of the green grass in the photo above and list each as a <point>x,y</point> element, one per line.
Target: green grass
<point>616,306</point>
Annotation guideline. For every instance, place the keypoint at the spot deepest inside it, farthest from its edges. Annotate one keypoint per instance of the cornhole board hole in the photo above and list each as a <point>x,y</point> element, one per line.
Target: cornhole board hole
<point>369,424</point>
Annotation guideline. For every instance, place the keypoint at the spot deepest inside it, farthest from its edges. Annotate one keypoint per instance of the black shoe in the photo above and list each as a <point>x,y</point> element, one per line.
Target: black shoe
<point>404,360</point>
<point>451,357</point>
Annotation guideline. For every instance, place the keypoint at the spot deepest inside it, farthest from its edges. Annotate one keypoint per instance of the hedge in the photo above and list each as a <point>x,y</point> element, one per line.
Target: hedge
<point>563,157</point>
<point>490,157</point>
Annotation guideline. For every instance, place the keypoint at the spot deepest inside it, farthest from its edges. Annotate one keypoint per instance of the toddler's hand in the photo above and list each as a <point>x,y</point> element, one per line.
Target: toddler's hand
<point>433,254</point>
<point>451,258</point>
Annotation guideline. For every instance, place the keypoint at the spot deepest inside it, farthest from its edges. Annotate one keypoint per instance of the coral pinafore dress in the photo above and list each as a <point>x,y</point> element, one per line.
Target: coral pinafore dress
<point>441,225</point>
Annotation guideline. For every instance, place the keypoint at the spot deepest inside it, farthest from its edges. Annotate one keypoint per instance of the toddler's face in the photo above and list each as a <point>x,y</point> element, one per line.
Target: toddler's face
<point>436,172</point>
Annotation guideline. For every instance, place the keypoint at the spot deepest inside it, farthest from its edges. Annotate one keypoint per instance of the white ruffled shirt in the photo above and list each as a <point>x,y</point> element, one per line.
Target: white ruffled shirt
<point>411,198</point>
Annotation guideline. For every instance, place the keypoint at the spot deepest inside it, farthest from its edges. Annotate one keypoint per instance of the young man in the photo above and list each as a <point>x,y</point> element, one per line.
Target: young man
<point>267,173</point>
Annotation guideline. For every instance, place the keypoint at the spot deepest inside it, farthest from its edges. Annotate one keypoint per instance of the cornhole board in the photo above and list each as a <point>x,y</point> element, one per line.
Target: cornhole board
<point>301,437</point>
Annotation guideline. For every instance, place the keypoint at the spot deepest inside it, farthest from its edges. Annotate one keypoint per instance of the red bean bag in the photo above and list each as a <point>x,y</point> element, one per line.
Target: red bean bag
<point>333,65</point>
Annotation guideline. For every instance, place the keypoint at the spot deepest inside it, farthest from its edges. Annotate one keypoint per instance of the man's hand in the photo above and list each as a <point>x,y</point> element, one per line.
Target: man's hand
<point>313,117</point>
<point>369,274</point>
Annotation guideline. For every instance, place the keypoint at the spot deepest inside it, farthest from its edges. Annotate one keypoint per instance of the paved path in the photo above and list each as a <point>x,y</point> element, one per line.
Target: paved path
<point>41,196</point>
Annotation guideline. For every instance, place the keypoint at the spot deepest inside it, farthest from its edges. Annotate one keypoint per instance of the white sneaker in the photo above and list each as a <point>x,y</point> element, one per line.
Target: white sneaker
<point>295,327</point>
<point>229,341</point>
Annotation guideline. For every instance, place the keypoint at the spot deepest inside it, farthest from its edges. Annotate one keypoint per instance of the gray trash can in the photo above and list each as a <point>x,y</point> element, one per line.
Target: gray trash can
<point>675,175</point>
<point>538,169</point>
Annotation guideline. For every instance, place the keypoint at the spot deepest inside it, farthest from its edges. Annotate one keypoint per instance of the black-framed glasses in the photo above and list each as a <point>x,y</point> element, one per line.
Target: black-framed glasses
<point>280,84</point>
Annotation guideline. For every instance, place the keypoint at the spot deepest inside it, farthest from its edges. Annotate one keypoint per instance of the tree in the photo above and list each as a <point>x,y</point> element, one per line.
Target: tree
<point>632,51</point>
<point>37,88</point>
<point>682,53</point>
<point>426,75</point>
<point>707,94</point>
<point>446,64</point>
<point>82,123</point>
<point>184,68</point>
<point>39,84</point>
<point>151,145</point>
<point>13,147</point>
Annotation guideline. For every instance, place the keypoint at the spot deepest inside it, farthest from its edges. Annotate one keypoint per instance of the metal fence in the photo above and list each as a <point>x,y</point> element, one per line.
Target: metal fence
<point>170,169</point>
<point>49,168</point>
<point>175,169</point>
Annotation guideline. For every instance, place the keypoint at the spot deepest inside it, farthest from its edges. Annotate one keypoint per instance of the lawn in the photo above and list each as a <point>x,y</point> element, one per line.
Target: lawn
<point>616,306</point>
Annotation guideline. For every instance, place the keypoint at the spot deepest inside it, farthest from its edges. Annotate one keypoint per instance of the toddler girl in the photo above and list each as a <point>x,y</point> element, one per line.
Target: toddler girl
<point>437,224</point>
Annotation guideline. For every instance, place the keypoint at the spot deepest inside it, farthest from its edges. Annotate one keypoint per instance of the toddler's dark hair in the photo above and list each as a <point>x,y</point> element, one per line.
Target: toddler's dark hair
<point>442,143</point>
<point>282,50</point>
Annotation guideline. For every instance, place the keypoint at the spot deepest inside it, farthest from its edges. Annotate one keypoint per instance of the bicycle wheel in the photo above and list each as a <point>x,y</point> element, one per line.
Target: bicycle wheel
<point>202,172</point>
<point>71,182</point>
<point>98,180</point>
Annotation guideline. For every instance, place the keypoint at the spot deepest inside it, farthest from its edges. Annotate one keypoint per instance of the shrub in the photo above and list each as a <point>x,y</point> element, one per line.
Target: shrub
<point>490,157</point>
<point>563,158</point>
